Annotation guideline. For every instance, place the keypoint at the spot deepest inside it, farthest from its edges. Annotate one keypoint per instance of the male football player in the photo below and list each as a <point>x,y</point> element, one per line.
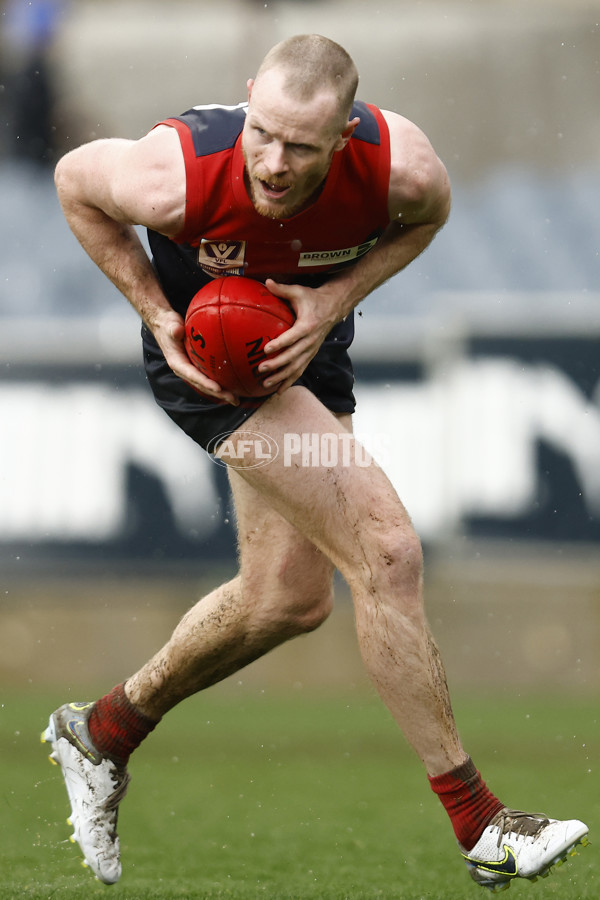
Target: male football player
<point>322,198</point>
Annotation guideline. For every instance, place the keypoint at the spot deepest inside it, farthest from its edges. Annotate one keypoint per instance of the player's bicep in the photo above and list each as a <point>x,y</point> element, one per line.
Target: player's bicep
<point>133,182</point>
<point>419,191</point>
<point>431,202</point>
<point>152,187</point>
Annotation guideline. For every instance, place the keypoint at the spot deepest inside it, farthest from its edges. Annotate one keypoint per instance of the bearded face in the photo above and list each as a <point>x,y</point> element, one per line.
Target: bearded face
<point>288,146</point>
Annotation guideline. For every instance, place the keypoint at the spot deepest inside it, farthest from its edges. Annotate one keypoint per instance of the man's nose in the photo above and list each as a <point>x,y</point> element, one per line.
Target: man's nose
<point>275,158</point>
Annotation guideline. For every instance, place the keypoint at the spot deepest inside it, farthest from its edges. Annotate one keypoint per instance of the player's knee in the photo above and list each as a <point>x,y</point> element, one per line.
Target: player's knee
<point>401,554</point>
<point>295,598</point>
<point>395,565</point>
<point>304,603</point>
<point>311,611</point>
<point>307,584</point>
<point>297,612</point>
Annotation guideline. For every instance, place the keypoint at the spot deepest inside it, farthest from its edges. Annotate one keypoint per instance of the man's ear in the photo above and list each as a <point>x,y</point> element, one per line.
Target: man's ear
<point>250,85</point>
<point>347,133</point>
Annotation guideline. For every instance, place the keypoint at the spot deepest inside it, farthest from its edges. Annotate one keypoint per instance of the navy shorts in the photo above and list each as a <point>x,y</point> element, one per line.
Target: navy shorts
<point>329,377</point>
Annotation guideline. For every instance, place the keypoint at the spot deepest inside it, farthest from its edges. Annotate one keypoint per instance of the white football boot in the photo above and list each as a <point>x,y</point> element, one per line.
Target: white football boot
<point>95,786</point>
<point>522,845</point>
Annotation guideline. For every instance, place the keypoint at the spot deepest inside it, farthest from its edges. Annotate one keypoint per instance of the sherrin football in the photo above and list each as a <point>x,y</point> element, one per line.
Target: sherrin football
<point>227,325</point>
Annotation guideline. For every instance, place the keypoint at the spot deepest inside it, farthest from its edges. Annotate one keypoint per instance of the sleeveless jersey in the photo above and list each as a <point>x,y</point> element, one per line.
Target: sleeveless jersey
<point>224,234</point>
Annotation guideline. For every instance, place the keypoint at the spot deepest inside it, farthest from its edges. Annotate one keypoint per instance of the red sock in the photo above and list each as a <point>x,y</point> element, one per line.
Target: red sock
<point>116,727</point>
<point>467,800</point>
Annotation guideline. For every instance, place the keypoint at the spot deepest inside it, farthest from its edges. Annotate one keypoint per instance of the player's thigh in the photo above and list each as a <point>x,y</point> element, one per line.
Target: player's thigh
<point>343,503</point>
<point>275,558</point>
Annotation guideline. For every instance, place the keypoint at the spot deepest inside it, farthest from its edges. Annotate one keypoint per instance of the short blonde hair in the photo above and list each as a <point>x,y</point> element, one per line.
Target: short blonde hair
<point>310,63</point>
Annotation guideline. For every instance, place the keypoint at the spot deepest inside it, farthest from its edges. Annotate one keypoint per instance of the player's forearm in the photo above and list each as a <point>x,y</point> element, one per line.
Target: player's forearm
<point>117,250</point>
<point>114,246</point>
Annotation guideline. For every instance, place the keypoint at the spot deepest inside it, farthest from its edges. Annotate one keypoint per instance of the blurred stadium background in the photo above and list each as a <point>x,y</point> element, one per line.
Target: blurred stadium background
<point>478,368</point>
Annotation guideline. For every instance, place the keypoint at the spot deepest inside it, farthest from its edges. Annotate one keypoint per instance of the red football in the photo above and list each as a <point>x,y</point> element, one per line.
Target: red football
<point>227,325</point>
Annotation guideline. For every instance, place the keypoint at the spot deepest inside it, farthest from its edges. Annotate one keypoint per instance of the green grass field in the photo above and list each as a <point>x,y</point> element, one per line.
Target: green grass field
<point>301,796</point>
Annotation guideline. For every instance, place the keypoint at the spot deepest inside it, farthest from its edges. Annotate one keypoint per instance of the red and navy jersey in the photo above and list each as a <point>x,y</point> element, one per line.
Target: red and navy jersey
<point>224,234</point>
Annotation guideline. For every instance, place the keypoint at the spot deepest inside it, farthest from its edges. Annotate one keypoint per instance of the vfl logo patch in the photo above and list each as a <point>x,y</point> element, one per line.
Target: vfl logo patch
<point>506,866</point>
<point>331,257</point>
<point>218,258</point>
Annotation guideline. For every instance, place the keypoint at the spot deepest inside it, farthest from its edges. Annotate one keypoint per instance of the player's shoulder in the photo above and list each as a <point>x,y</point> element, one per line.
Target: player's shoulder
<point>213,127</point>
<point>416,172</point>
<point>405,136</point>
<point>148,180</point>
<point>368,129</point>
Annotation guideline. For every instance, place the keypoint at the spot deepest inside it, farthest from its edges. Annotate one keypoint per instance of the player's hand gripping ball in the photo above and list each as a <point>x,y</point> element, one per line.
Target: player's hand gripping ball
<point>227,325</point>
